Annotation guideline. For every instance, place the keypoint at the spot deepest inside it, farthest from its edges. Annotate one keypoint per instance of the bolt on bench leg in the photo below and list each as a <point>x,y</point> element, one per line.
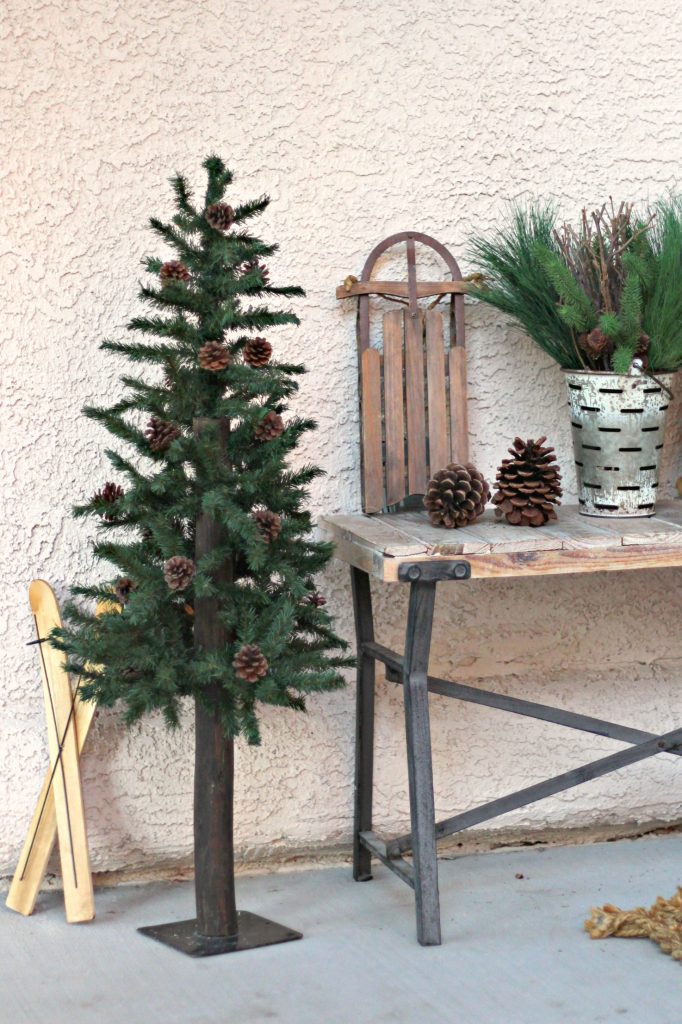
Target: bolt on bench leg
<point>364,724</point>
<point>422,808</point>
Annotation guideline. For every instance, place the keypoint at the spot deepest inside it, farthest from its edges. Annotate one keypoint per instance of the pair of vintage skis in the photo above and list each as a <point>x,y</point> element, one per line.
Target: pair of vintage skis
<point>59,812</point>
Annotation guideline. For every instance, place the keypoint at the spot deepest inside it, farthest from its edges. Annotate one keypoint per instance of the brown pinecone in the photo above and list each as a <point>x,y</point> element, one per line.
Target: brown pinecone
<point>268,523</point>
<point>528,484</point>
<point>249,663</point>
<point>220,216</point>
<point>317,599</point>
<point>253,265</point>
<point>110,494</point>
<point>214,356</point>
<point>257,352</point>
<point>270,427</point>
<point>160,434</point>
<point>179,572</point>
<point>123,589</point>
<point>174,270</point>
<point>456,496</point>
<point>595,344</point>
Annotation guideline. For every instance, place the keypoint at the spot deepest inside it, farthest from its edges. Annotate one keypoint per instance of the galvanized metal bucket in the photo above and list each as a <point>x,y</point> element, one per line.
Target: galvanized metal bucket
<point>618,423</point>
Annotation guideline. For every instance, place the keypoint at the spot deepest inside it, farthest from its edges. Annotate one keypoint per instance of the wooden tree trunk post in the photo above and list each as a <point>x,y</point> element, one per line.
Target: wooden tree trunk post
<point>218,927</point>
<point>214,754</point>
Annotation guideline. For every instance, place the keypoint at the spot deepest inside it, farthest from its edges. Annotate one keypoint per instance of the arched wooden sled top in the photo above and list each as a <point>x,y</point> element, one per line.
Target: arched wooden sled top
<point>413,392</point>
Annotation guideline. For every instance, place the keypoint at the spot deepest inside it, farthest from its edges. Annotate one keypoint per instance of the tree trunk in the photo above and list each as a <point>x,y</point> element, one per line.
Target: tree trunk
<point>214,757</point>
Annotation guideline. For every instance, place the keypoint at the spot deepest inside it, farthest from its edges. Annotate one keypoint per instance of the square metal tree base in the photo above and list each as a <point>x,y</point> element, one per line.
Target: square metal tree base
<point>253,931</point>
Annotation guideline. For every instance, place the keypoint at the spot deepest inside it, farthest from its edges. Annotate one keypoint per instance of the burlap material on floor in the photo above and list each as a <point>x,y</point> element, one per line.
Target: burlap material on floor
<point>662,923</point>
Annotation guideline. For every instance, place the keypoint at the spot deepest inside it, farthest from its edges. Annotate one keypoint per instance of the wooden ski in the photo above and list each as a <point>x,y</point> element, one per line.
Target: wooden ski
<point>59,811</point>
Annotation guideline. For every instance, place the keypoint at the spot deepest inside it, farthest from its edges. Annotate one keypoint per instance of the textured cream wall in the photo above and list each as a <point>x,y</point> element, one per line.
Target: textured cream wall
<point>360,119</point>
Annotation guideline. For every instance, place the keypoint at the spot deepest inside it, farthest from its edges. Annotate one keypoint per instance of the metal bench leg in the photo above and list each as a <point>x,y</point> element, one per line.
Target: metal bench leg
<point>422,809</point>
<point>364,724</point>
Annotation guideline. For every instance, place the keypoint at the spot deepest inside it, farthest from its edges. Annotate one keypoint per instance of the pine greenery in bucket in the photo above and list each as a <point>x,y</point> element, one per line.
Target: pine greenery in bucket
<point>604,299</point>
<point>595,296</point>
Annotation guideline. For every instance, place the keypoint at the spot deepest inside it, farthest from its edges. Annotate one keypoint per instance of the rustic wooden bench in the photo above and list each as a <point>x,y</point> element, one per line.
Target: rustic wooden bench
<point>413,416</point>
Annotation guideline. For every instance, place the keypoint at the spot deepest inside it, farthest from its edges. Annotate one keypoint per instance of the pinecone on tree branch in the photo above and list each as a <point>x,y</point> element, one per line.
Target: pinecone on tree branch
<point>160,434</point>
<point>109,494</point>
<point>270,427</point>
<point>215,356</point>
<point>456,496</point>
<point>269,524</point>
<point>179,572</point>
<point>257,352</point>
<point>220,216</point>
<point>528,484</point>
<point>249,663</point>
<point>174,270</point>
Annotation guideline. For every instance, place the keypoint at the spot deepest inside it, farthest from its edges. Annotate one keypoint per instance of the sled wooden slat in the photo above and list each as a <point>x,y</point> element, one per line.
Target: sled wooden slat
<point>439,449</point>
<point>425,289</point>
<point>459,417</point>
<point>394,415</point>
<point>372,468</point>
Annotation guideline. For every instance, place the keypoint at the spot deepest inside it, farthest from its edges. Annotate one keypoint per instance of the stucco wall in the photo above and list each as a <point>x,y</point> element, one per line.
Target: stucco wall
<point>360,120</point>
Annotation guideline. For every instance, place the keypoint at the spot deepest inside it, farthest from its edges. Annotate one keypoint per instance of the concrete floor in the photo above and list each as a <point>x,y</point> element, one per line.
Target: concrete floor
<point>513,952</point>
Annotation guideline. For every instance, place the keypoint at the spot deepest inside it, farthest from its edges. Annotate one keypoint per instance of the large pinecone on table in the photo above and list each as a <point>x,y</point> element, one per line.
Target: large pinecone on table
<point>220,216</point>
<point>179,572</point>
<point>270,427</point>
<point>269,524</point>
<point>257,352</point>
<point>160,434</point>
<point>456,496</point>
<point>528,484</point>
<point>249,663</point>
<point>215,356</point>
<point>174,270</point>
<point>110,494</point>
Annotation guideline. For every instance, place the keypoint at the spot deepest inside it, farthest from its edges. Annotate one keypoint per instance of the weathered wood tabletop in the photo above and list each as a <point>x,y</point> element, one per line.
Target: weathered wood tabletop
<point>379,544</point>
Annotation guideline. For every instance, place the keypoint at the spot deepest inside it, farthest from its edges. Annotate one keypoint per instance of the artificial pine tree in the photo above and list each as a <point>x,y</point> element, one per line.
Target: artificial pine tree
<point>205,535</point>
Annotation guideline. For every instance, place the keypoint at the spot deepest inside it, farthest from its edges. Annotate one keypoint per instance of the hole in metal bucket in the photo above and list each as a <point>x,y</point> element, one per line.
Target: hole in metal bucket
<point>575,387</point>
<point>629,487</point>
<point>592,408</point>
<point>649,430</point>
<point>632,410</point>
<point>629,449</point>
<point>643,469</point>
<point>592,447</point>
<point>611,469</point>
<point>598,504</point>
<point>651,505</point>
<point>594,487</point>
<point>578,426</point>
<point>658,447</point>
<point>611,391</point>
<point>662,408</point>
<point>578,463</point>
<point>651,391</point>
<point>609,430</point>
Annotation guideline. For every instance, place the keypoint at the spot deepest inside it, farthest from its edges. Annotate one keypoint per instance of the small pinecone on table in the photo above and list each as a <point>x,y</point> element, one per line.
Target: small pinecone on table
<point>528,484</point>
<point>220,216</point>
<point>179,572</point>
<point>214,356</point>
<point>270,427</point>
<point>160,434</point>
<point>174,270</point>
<point>269,524</point>
<point>109,494</point>
<point>249,663</point>
<point>257,352</point>
<point>456,496</point>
